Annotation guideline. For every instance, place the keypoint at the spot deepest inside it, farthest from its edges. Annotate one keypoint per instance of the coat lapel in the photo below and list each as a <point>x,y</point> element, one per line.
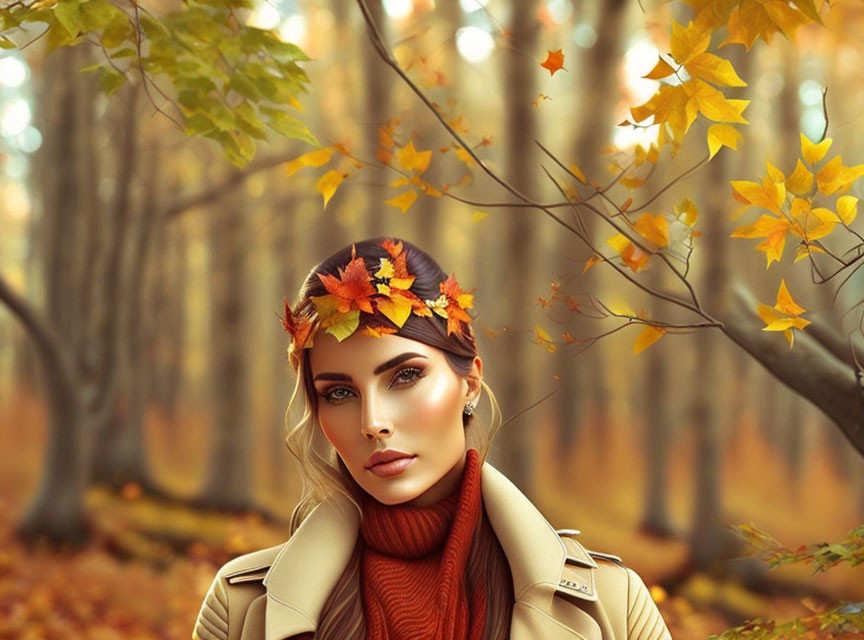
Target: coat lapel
<point>311,562</point>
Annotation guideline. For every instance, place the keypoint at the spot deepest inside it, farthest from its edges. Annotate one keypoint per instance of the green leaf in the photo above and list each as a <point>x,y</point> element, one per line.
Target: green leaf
<point>128,52</point>
<point>69,15</point>
<point>244,86</point>
<point>249,122</point>
<point>288,125</point>
<point>57,36</point>
<point>199,124</point>
<point>111,80</point>
<point>117,31</point>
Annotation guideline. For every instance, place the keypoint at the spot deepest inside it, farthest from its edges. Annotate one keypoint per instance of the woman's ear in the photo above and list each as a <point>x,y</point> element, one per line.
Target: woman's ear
<point>474,378</point>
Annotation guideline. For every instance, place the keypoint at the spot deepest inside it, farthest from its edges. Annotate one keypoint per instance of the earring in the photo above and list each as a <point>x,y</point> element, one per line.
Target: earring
<point>469,409</point>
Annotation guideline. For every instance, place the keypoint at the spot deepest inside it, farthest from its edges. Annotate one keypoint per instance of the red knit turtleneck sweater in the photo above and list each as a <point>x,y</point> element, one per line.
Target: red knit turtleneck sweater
<point>413,566</point>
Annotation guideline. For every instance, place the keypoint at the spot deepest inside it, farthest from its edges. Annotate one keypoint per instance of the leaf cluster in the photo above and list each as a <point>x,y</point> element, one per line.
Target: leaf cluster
<point>230,81</point>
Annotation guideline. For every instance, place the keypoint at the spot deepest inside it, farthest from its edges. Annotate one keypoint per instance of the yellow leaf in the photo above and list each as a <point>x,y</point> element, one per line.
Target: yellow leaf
<point>328,183</point>
<point>813,153</point>
<point>591,262</point>
<point>785,303</point>
<point>722,135</point>
<point>801,179</point>
<point>714,69</point>
<point>478,216</point>
<point>317,158</point>
<point>774,173</point>
<point>631,182</point>
<point>344,325</point>
<point>464,156</point>
<point>396,309</point>
<point>667,105</point>
<point>576,171</point>
<point>774,231</point>
<point>847,208</point>
<point>805,250</point>
<point>630,254</point>
<point>758,195</point>
<point>784,316</point>
<point>649,336</point>
<point>399,182</point>
<point>833,176</point>
<point>688,210</point>
<point>653,228</point>
<point>688,42</point>
<point>544,339</point>
<point>413,160</point>
<point>712,103</point>
<point>660,70</point>
<point>404,200</point>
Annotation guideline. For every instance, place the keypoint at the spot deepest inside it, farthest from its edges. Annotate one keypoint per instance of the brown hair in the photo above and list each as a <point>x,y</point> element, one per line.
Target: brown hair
<point>322,471</point>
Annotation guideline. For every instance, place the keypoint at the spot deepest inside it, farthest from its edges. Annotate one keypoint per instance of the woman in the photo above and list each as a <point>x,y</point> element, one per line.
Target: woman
<point>403,530</point>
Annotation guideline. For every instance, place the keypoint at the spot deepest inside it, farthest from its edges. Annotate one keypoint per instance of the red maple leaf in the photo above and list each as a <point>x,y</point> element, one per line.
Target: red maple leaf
<point>554,61</point>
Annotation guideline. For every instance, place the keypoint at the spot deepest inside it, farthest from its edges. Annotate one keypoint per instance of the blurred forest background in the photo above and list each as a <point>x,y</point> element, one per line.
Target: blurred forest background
<point>152,272</point>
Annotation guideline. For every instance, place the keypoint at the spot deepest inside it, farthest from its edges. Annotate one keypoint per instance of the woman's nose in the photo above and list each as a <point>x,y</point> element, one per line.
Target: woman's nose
<point>374,423</point>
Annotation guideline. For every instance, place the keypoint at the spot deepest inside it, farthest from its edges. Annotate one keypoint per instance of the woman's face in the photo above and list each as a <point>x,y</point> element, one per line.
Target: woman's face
<point>393,397</point>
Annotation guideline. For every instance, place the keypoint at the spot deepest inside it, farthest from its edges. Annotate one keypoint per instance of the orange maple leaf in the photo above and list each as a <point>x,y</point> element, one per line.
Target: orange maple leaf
<point>352,288</point>
<point>299,328</point>
<point>554,61</point>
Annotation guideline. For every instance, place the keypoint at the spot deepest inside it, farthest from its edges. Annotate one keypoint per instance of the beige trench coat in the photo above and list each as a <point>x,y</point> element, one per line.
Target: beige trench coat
<point>561,589</point>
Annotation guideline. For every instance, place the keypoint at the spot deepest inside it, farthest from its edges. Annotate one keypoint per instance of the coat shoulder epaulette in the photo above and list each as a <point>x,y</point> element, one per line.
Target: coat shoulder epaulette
<point>572,533</point>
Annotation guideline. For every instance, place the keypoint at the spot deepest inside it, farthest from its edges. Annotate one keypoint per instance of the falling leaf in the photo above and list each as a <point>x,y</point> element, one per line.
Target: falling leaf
<point>328,183</point>
<point>649,335</point>
<point>554,61</point>
<point>404,200</point>
<point>317,158</point>
<point>541,96</point>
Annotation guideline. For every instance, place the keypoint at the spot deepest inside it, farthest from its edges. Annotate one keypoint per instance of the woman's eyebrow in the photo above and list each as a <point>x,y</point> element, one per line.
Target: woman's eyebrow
<point>392,362</point>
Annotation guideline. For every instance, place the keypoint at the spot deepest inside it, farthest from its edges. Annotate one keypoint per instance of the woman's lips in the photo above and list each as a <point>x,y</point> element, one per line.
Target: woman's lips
<point>392,468</point>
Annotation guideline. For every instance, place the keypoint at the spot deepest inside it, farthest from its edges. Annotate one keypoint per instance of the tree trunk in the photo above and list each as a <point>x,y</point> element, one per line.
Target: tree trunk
<point>516,440</point>
<point>229,480</point>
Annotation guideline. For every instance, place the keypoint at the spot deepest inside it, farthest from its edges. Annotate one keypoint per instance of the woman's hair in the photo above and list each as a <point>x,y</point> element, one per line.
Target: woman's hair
<point>322,472</point>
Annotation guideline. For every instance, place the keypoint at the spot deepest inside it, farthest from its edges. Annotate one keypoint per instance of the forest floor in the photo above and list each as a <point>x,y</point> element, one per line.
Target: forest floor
<point>150,561</point>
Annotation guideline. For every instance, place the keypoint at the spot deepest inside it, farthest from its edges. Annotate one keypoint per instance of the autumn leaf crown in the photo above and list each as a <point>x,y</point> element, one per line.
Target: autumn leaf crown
<point>386,292</point>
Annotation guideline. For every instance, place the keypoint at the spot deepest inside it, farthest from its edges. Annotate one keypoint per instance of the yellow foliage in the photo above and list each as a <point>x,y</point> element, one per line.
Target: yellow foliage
<point>813,153</point>
<point>413,160</point>
<point>317,158</point>
<point>801,180</point>
<point>328,183</point>
<point>783,316</point>
<point>722,135</point>
<point>653,228</point>
<point>649,335</point>
<point>404,200</point>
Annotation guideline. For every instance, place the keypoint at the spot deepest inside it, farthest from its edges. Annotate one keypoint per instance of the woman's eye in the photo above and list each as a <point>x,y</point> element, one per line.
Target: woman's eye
<point>409,375</point>
<point>335,394</point>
